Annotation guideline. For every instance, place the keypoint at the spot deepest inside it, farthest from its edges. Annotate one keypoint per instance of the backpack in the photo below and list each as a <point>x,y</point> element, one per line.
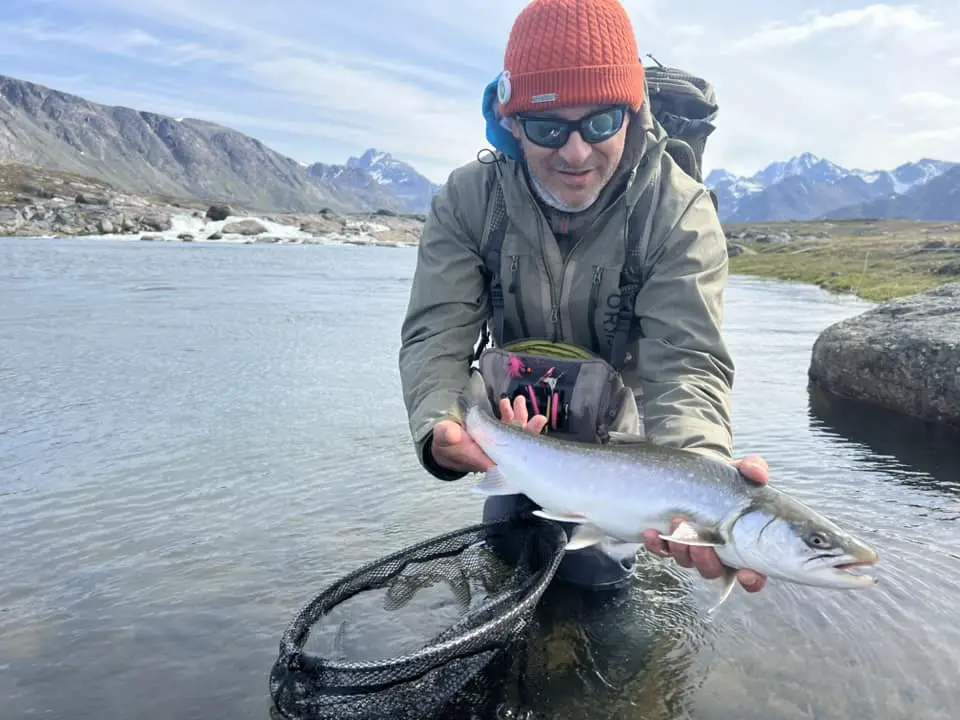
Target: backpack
<point>685,106</point>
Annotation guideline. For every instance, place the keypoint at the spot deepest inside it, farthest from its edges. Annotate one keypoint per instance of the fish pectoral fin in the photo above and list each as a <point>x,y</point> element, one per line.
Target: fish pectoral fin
<point>621,551</point>
<point>495,483</point>
<point>729,580</point>
<point>560,517</point>
<point>584,536</point>
<point>689,534</point>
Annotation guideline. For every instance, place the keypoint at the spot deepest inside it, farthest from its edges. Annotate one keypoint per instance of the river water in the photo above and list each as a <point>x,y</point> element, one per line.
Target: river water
<point>196,438</point>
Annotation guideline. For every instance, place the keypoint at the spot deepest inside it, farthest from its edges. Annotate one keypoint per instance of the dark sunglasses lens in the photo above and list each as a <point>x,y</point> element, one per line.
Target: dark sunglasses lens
<point>603,125</point>
<point>548,133</point>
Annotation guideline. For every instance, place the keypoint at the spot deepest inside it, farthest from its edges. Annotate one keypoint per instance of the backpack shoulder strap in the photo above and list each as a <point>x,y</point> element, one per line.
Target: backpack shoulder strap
<point>495,229</point>
<point>684,156</point>
<point>639,229</point>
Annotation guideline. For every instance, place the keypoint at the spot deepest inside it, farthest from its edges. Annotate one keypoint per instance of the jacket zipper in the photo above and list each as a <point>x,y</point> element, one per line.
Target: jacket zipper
<point>592,305</point>
<point>557,293</point>
<point>554,296</point>
<point>513,289</point>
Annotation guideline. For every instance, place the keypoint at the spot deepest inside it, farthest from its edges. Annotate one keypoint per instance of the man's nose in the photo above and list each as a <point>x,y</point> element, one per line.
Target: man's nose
<point>576,150</point>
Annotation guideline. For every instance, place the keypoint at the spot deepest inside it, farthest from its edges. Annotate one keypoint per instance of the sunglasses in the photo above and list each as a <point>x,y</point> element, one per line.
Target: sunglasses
<point>553,133</point>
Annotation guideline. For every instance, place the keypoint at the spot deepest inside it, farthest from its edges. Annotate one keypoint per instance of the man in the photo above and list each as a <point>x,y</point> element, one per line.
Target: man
<point>590,171</point>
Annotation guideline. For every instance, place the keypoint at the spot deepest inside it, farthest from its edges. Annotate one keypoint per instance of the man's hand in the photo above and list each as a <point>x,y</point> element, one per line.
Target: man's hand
<point>705,559</point>
<point>454,450</point>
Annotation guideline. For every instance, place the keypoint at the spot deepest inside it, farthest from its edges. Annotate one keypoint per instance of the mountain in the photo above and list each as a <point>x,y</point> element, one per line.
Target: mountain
<point>402,180</point>
<point>807,187</point>
<point>145,152</point>
<point>935,200</point>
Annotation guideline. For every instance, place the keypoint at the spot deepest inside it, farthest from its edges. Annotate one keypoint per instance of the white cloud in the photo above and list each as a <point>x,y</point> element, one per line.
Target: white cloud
<point>365,102</point>
<point>929,99</point>
<point>106,39</point>
<point>321,81</point>
<point>879,17</point>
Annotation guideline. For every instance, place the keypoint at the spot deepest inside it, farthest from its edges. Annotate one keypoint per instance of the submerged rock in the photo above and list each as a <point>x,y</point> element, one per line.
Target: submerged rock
<point>903,355</point>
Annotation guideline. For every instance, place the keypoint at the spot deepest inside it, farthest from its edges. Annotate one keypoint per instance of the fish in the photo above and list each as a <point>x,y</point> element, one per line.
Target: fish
<point>614,491</point>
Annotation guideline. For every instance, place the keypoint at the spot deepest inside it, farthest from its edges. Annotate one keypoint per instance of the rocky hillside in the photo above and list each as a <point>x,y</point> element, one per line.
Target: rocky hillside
<point>145,152</point>
<point>807,187</point>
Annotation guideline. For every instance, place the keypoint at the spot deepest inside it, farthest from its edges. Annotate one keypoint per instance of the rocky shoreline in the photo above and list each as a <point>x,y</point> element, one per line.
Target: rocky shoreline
<point>52,204</point>
<point>902,355</point>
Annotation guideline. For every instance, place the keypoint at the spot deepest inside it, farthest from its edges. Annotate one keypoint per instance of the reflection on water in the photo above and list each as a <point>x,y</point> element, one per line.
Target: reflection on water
<point>920,453</point>
<point>195,440</point>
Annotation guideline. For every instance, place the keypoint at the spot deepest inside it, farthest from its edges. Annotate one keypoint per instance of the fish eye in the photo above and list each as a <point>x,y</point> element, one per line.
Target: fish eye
<point>818,540</point>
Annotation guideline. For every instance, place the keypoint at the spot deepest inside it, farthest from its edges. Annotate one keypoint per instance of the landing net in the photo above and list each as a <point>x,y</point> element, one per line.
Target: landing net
<point>436,630</point>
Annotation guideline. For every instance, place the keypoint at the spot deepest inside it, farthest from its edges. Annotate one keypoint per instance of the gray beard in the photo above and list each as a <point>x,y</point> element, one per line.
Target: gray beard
<point>553,201</point>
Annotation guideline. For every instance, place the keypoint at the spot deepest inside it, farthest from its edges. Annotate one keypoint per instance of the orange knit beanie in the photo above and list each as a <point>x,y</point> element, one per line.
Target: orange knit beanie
<point>571,52</point>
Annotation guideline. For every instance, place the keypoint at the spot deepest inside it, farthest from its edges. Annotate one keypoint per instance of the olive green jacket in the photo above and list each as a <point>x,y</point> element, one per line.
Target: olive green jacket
<point>564,286</point>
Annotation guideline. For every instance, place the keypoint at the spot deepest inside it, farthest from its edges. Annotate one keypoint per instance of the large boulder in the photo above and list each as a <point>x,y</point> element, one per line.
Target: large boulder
<point>903,355</point>
<point>219,212</point>
<point>243,227</point>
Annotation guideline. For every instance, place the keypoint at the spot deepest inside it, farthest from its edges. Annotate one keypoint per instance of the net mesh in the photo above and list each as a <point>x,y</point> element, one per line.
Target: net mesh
<point>435,630</point>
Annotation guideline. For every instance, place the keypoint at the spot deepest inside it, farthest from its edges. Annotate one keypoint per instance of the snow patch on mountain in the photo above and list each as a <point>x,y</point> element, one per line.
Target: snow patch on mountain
<point>808,186</point>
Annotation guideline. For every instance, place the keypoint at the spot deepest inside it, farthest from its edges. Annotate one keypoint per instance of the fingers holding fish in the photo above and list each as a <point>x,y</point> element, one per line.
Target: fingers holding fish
<point>517,414</point>
<point>751,581</point>
<point>755,468</point>
<point>704,559</point>
<point>454,449</point>
<point>706,562</point>
<point>664,548</point>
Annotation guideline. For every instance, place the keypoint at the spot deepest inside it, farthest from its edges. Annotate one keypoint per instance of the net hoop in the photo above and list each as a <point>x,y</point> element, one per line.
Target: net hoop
<point>511,613</point>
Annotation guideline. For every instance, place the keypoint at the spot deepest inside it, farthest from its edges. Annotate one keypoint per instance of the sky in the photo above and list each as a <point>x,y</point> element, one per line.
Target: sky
<point>866,85</point>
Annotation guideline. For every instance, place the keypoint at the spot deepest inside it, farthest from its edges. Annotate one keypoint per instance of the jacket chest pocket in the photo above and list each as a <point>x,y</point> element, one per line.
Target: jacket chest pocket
<point>603,305</point>
<point>524,285</point>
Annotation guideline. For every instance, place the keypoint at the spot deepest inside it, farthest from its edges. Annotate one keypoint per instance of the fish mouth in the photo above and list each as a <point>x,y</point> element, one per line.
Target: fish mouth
<point>853,571</point>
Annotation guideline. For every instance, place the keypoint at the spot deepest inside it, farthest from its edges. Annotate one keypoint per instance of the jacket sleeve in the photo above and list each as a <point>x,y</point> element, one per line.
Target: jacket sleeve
<point>685,367</point>
<point>446,311</point>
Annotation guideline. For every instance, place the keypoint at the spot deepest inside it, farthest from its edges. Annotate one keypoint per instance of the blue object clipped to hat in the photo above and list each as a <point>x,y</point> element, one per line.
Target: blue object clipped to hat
<point>498,134</point>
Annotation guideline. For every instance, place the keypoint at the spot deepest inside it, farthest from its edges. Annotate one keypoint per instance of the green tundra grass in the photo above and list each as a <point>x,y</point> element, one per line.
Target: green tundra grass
<point>876,260</point>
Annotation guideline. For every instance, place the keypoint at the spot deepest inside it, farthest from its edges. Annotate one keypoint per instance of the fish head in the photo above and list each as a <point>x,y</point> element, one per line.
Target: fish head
<point>791,542</point>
